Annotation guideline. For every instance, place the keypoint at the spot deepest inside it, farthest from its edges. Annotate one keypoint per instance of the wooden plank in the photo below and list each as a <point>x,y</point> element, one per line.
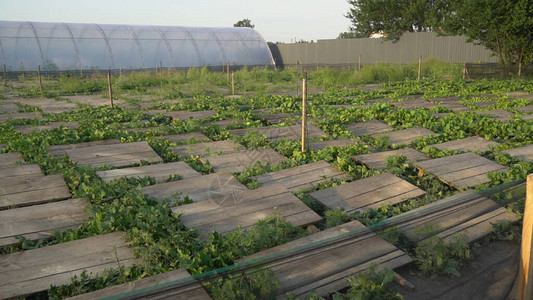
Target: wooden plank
<point>183,287</point>
<point>462,170</point>
<point>324,261</point>
<point>19,116</point>
<point>525,109</point>
<point>484,104</point>
<point>371,192</point>
<point>25,129</point>
<point>368,127</point>
<point>27,272</point>
<point>224,123</point>
<point>467,213</point>
<point>335,143</point>
<point>405,136</point>
<point>277,133</point>
<point>10,159</point>
<point>377,160</point>
<point>445,99</point>
<point>253,206</point>
<point>185,115</point>
<point>524,152</point>
<point>117,155</point>
<point>414,103</point>
<point>498,114</point>
<point>60,150</point>
<point>526,117</point>
<point>20,170</point>
<point>380,100</point>
<point>473,143</point>
<point>236,162</point>
<point>525,276</point>
<point>40,221</point>
<point>209,148</point>
<point>455,106</point>
<point>305,176</point>
<point>19,191</point>
<point>160,172</point>
<point>186,137</point>
<point>223,187</point>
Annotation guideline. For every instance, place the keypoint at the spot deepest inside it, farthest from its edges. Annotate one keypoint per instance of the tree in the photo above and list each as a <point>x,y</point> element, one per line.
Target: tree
<point>503,26</point>
<point>393,17</point>
<point>244,23</point>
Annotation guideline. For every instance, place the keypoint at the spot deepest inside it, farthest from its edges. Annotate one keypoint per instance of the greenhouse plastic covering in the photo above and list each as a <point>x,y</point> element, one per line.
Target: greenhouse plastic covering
<point>71,46</point>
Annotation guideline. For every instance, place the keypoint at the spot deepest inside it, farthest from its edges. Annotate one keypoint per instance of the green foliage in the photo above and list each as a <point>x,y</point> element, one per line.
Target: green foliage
<point>255,284</point>
<point>336,217</point>
<point>372,285</point>
<point>244,23</point>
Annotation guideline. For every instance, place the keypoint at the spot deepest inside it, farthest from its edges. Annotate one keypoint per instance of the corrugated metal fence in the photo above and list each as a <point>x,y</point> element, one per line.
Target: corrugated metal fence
<point>345,52</point>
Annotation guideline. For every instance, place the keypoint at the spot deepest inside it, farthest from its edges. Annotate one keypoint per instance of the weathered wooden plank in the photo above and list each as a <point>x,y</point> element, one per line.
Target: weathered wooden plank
<point>484,104</point>
<point>526,117</point>
<point>20,170</point>
<point>371,192</point>
<point>117,155</point>
<point>25,129</point>
<point>405,136</point>
<point>18,116</point>
<point>27,272</point>
<point>186,137</point>
<point>202,149</point>
<point>160,172</point>
<point>183,287</point>
<point>498,114</point>
<point>19,191</point>
<point>223,123</point>
<point>40,221</point>
<point>223,187</point>
<point>236,162</point>
<point>377,160</point>
<point>455,106</point>
<point>445,99</point>
<point>467,213</point>
<point>304,176</point>
<point>335,255</point>
<point>185,115</point>
<point>59,150</point>
<point>10,159</point>
<point>473,143</point>
<point>277,133</point>
<point>462,170</point>
<point>525,109</point>
<point>414,103</point>
<point>368,127</point>
<point>524,152</point>
<point>253,206</point>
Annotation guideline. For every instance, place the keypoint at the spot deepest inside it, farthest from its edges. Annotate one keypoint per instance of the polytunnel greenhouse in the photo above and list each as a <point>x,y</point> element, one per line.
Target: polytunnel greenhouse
<point>70,46</point>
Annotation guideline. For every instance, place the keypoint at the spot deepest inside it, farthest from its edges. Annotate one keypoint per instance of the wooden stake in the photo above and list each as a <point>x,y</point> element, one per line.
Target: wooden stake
<point>419,66</point>
<point>233,83</point>
<point>298,78</point>
<point>227,70</point>
<point>120,72</point>
<point>161,69</point>
<point>81,72</point>
<point>40,79</point>
<point>304,112</point>
<point>109,87</point>
<point>465,73</point>
<point>519,69</point>
<point>359,66</point>
<point>525,278</point>
<point>5,75</point>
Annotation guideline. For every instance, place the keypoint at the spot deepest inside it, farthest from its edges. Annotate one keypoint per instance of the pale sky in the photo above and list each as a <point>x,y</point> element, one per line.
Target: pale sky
<point>276,20</point>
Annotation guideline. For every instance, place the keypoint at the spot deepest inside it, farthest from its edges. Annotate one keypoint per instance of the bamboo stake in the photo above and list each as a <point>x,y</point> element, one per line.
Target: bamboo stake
<point>419,66</point>
<point>359,66</point>
<point>525,278</point>
<point>5,75</point>
<point>304,112</point>
<point>40,79</point>
<point>298,78</point>
<point>109,87</point>
<point>233,83</point>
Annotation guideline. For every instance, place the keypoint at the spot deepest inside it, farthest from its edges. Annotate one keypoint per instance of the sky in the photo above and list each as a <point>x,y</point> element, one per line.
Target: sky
<point>276,20</point>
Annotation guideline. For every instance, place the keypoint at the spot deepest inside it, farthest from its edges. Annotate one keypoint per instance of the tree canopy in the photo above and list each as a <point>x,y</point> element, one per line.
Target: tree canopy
<point>503,26</point>
<point>244,23</point>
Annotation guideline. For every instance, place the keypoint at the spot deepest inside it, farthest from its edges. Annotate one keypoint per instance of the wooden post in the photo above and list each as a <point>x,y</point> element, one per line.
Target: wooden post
<point>465,73</point>
<point>5,75</point>
<point>519,69</point>
<point>419,66</point>
<point>298,78</point>
<point>227,70</point>
<point>525,278</point>
<point>81,72</point>
<point>40,79</point>
<point>120,72</point>
<point>359,66</point>
<point>304,112</point>
<point>233,83</point>
<point>161,69</point>
<point>109,87</point>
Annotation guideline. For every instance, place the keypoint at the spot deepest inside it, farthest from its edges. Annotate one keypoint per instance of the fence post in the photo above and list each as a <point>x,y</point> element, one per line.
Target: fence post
<point>40,79</point>
<point>525,278</point>
<point>109,87</point>
<point>304,111</point>
<point>419,66</point>
<point>233,83</point>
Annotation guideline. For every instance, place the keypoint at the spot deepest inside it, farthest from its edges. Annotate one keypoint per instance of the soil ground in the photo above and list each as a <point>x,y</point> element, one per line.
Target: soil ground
<point>490,275</point>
